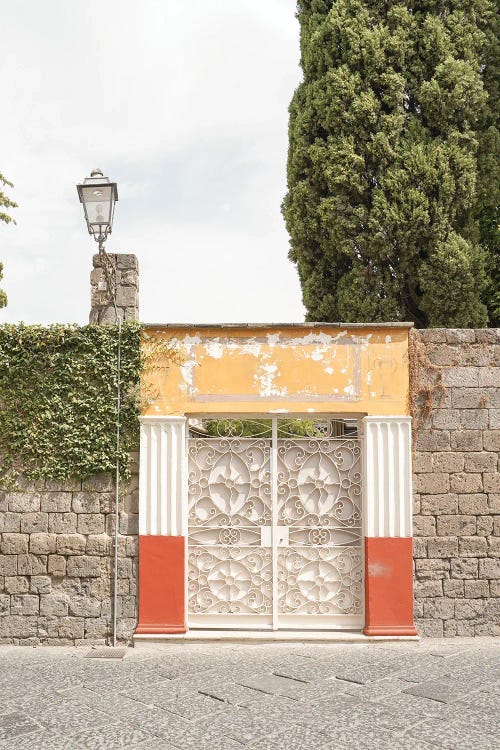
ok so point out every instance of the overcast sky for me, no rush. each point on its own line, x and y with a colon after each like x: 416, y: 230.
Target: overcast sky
x: 183, y: 104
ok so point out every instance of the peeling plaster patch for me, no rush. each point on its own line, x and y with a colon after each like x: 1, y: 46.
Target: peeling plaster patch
x: 214, y: 349
x: 273, y: 339
x: 311, y: 410
x: 252, y: 347
x: 322, y: 338
x: 189, y: 342
x: 369, y: 377
x: 318, y: 353
x: 265, y: 379
x: 329, y: 370
x: 373, y: 394
x: 278, y: 411
x: 388, y: 339
x: 350, y: 390
x: 363, y: 340
x: 187, y: 372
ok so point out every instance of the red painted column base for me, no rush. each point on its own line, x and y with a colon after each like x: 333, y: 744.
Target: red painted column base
x: 389, y: 586
x: 161, y: 585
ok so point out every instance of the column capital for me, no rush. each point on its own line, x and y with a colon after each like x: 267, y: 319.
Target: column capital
x: 165, y: 418
x: 375, y: 419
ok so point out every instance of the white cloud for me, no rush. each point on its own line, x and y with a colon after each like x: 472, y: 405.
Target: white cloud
x: 185, y: 105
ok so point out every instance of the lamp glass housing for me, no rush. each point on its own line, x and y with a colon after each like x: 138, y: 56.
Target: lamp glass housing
x: 98, y: 196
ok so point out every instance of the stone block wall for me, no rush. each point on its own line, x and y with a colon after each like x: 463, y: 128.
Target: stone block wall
x: 56, y: 561
x: 123, y: 271
x: 456, y: 411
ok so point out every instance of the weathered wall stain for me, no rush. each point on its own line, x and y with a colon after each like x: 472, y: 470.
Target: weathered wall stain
x: 308, y: 368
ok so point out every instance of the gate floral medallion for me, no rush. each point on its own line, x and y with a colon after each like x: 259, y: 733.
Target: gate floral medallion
x: 319, y: 581
x: 230, y: 581
x: 229, y: 482
x: 286, y: 529
x: 319, y: 483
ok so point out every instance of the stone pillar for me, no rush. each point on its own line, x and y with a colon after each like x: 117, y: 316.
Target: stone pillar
x: 124, y: 272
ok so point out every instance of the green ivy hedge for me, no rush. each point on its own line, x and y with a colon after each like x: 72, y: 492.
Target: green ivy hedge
x: 58, y: 408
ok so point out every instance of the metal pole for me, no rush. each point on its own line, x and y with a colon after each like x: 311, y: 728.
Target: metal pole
x: 117, y: 473
x: 112, y: 292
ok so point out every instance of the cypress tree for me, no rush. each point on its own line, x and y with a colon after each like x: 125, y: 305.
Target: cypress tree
x: 386, y: 136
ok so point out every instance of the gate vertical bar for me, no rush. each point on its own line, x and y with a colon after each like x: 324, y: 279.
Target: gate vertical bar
x: 274, y: 516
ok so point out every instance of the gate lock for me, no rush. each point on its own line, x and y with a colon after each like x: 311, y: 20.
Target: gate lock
x: 266, y: 536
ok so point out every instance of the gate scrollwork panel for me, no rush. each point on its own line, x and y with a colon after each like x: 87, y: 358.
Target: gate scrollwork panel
x: 229, y: 489
x: 319, y: 499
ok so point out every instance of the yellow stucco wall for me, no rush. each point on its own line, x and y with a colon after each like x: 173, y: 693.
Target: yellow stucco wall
x: 296, y: 369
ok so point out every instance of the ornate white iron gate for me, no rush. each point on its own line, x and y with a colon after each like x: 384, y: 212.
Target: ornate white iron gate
x: 274, y: 524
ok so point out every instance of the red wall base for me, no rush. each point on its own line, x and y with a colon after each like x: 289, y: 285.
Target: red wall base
x: 161, y: 585
x: 389, y: 586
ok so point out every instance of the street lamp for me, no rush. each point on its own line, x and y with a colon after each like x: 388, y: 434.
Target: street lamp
x: 98, y: 196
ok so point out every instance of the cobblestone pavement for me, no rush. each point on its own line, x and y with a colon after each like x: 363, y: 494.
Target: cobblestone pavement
x: 281, y: 696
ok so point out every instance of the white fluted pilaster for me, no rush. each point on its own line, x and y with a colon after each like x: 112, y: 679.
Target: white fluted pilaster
x: 387, y: 477
x: 162, y: 476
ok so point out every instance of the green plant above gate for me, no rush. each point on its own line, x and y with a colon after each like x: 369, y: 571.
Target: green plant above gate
x: 58, y: 408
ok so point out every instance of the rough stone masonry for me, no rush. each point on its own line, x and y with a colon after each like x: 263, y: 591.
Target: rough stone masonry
x: 456, y: 412
x: 124, y: 274
x: 56, y: 562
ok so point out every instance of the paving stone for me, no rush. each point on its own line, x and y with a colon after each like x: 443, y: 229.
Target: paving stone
x: 230, y: 692
x: 444, y: 692
x: 14, y: 723
x: 68, y: 719
x: 369, y: 673
x: 456, y: 737
x: 381, y: 690
x: 38, y: 741
x: 110, y: 738
x: 275, y: 685
x: 156, y: 721
x: 292, y: 738
x: 375, y: 739
x: 282, y: 709
x: 480, y: 700
x: 110, y: 703
x: 192, y: 707
x: 197, y: 736
x: 243, y: 725
x: 330, y: 688
x: 304, y: 670
x: 156, y: 743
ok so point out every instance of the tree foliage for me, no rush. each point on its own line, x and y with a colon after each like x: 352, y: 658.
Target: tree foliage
x: 5, y: 204
x: 392, y: 137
